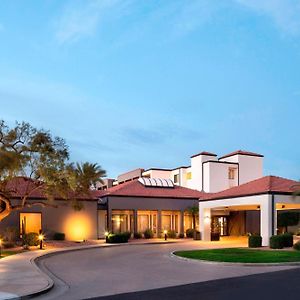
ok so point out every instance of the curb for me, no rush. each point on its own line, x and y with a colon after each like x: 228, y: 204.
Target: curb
x: 173, y: 255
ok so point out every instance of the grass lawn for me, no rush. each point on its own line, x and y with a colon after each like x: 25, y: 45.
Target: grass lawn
x: 240, y: 255
x: 5, y: 253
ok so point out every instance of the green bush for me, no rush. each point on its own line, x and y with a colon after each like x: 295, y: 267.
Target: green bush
x: 254, y: 241
x: 31, y: 239
x: 118, y: 238
x: 288, y: 239
x: 137, y: 235
x: 276, y: 242
x: 181, y: 235
x: 297, y: 246
x: 148, y: 234
x: 7, y: 245
x: 190, y: 233
x: 127, y: 234
x: 172, y: 234
x: 59, y: 236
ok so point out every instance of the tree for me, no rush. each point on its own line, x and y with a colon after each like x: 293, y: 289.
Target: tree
x: 41, y: 162
x: 194, y: 212
x: 288, y: 218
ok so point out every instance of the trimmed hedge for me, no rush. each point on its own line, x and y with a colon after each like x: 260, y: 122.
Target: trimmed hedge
x: 254, y: 241
x: 276, y: 242
x: 172, y: 234
x: 297, y: 246
x: 137, y: 235
x: 116, y: 238
x: 190, y: 233
x: 181, y: 235
x: 59, y: 236
x: 148, y: 234
x: 288, y: 239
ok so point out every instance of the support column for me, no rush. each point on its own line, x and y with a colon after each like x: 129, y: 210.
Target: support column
x: 159, y: 223
x: 205, y: 223
x: 109, y: 221
x: 135, y: 221
x: 266, y: 216
x: 181, y: 222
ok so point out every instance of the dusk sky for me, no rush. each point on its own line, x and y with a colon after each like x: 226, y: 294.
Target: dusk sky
x: 147, y: 83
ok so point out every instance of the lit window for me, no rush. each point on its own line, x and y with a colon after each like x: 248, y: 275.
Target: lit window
x: 176, y: 178
x: 231, y: 173
x: 189, y: 175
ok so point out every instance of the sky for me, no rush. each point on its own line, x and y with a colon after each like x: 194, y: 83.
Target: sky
x: 148, y: 83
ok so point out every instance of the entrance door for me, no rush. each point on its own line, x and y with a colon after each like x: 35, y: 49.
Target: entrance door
x: 220, y: 224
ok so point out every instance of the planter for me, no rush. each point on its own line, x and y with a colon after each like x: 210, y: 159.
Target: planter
x: 215, y: 236
x: 197, y: 235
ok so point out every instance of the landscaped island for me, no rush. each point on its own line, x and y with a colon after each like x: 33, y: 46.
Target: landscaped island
x: 239, y: 255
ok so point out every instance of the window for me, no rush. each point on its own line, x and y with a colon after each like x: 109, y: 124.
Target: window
x: 189, y: 175
x: 30, y: 222
x: 231, y: 173
x: 176, y: 178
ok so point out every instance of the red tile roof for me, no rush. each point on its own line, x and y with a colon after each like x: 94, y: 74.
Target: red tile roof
x: 264, y: 185
x: 136, y: 189
x: 19, y: 186
x: 241, y: 152
x: 204, y: 153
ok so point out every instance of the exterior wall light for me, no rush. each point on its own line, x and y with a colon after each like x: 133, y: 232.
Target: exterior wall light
x: 41, y: 239
x: 165, y: 233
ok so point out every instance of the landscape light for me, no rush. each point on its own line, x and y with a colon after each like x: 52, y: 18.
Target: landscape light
x: 106, y: 233
x: 165, y: 233
x: 41, y: 238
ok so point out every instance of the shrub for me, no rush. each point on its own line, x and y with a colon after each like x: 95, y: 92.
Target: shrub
x: 137, y: 235
x: 288, y: 239
x: 7, y: 245
x: 297, y: 246
x: 190, y: 233
x: 276, y: 242
x: 148, y: 234
x: 254, y: 241
x: 59, y: 236
x: 127, y: 234
x: 172, y: 234
x: 31, y: 239
x: 181, y: 235
x: 118, y: 238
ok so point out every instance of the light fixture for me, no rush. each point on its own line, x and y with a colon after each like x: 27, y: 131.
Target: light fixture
x: 106, y: 233
x: 165, y: 233
x: 41, y: 238
x: 282, y: 206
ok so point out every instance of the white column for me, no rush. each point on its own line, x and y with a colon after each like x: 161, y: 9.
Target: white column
x: 204, y: 223
x: 266, y: 219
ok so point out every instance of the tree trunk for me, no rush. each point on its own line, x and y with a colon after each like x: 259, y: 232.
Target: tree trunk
x: 8, y: 208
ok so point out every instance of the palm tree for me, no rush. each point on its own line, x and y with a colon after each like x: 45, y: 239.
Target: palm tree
x: 194, y: 212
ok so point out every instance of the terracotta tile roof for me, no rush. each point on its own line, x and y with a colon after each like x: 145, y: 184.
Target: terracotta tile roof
x: 241, y: 152
x: 264, y: 185
x: 204, y: 153
x: 137, y: 189
x: 19, y: 186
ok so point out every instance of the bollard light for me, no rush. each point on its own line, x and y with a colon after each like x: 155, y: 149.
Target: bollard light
x: 106, y: 236
x: 165, y: 233
x: 41, y: 239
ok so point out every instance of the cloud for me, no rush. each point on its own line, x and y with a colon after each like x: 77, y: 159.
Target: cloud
x: 82, y: 19
x: 284, y: 13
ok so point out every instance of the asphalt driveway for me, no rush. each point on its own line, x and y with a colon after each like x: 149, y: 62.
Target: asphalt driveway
x: 124, y: 269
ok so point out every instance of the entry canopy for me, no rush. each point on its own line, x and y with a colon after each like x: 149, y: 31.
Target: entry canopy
x: 156, y: 182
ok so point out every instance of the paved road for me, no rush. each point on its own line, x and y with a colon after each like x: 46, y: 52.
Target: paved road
x: 276, y: 286
x: 109, y: 271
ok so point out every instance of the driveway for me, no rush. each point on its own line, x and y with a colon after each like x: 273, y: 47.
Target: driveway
x: 123, y: 269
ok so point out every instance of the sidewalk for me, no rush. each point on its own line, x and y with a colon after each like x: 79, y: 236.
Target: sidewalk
x: 20, y: 276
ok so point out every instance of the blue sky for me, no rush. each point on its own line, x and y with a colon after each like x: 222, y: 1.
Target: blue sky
x: 133, y: 83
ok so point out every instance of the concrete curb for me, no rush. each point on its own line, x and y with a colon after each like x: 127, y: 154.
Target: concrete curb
x: 173, y: 255
x: 34, y: 261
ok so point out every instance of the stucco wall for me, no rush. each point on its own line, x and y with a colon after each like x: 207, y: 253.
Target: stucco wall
x: 77, y: 225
